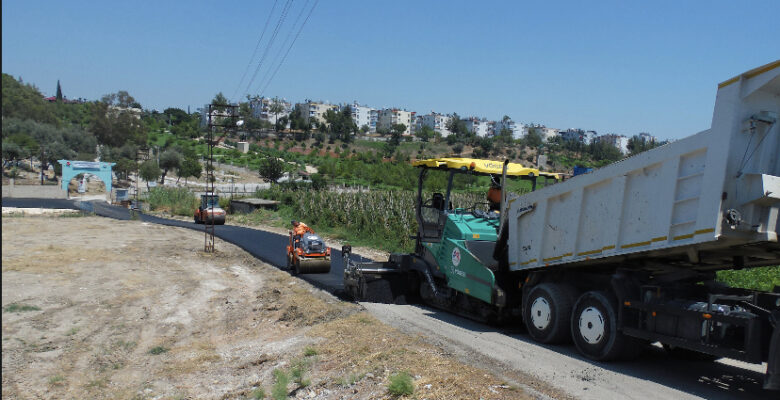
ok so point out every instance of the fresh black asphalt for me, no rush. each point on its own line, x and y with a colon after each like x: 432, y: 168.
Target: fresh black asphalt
x: 266, y: 246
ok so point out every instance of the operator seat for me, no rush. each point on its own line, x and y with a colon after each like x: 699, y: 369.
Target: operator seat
x: 437, y: 201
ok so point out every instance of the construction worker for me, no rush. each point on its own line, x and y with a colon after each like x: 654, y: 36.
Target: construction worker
x: 494, y: 195
x: 299, y: 228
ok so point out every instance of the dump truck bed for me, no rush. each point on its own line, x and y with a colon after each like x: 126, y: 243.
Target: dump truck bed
x: 708, y: 201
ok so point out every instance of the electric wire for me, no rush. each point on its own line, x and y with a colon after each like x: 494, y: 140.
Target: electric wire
x: 284, y: 44
x: 270, y: 43
x: 291, y: 46
x: 257, y: 47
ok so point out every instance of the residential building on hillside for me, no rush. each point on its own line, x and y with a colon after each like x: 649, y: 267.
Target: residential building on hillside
x: 437, y: 122
x: 517, y: 129
x: 392, y: 116
x: 549, y: 134
x: 619, y: 141
x: 578, y: 135
x: 261, y: 109
x: 479, y: 127
x: 647, y: 138
x: 364, y: 116
x: 314, y: 111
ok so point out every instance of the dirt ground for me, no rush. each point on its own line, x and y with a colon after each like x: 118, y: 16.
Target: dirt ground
x: 98, y: 308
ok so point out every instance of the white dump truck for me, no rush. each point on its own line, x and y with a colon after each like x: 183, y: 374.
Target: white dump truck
x: 628, y: 253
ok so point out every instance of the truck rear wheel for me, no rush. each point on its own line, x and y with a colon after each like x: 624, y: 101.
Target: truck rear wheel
x: 595, y: 331
x: 547, y: 312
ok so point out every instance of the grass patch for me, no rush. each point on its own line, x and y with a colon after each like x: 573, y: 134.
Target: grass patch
x: 17, y: 308
x: 401, y: 384
x: 56, y: 380
x: 760, y: 278
x: 158, y: 350
x: 309, y: 351
x: 73, y: 215
x: 72, y: 331
x: 279, y: 390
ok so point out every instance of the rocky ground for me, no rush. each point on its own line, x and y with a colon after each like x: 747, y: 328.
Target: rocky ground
x: 98, y: 308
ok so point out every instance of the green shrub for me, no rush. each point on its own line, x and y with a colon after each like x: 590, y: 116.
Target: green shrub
x: 158, y: 350
x: 309, y: 351
x: 258, y: 394
x: 760, y: 278
x: 401, y: 384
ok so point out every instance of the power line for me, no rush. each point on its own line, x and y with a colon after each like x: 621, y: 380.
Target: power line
x: 291, y: 46
x: 257, y: 47
x: 270, y: 42
x: 286, y: 42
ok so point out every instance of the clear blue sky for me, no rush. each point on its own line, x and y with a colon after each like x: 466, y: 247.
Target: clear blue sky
x: 613, y: 66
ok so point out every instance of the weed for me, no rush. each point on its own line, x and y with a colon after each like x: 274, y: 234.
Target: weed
x: 72, y: 331
x: 258, y: 394
x: 350, y: 379
x: 401, y: 384
x: 98, y: 383
x: 56, y: 380
x: 297, y: 373
x: 279, y: 390
x: 309, y: 351
x: 17, y: 308
x: 127, y: 346
x: 365, y: 320
x: 158, y: 350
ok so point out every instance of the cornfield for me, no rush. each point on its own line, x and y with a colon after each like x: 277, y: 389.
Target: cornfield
x: 177, y: 201
x: 381, y: 217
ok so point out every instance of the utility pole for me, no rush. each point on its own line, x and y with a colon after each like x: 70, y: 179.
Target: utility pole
x: 224, y: 123
x: 41, y: 162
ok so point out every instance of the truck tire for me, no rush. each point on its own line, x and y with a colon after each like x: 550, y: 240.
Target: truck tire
x: 547, y: 312
x: 595, y: 332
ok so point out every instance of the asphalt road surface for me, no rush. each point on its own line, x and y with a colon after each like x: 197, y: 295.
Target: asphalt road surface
x: 655, y: 375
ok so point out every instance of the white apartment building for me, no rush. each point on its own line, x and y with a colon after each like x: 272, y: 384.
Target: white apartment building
x: 647, y: 138
x: 437, y: 122
x: 578, y: 135
x: 391, y: 116
x: 480, y: 127
x: 548, y: 134
x: 619, y: 141
x: 518, y: 130
x: 261, y: 109
x: 364, y: 116
x: 314, y: 111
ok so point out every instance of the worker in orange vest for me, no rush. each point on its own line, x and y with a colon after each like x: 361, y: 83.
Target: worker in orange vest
x: 299, y: 228
x: 494, y: 195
